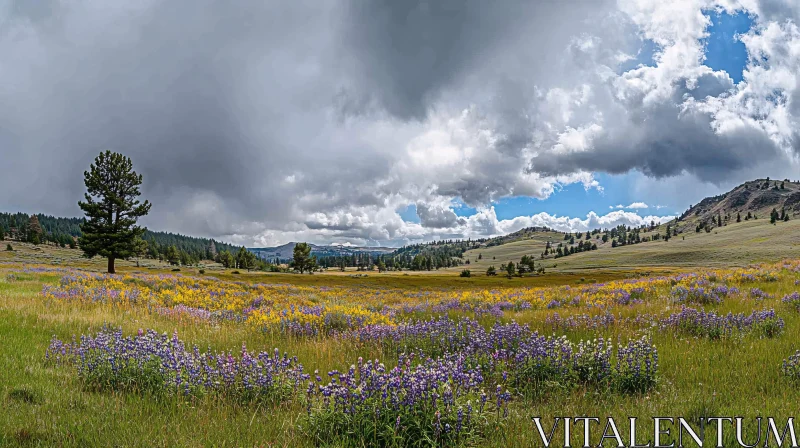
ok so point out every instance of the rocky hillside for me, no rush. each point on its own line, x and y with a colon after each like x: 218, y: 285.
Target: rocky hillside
x: 757, y: 197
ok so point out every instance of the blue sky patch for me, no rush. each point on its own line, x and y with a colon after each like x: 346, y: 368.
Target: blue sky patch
x: 644, y: 57
x: 723, y: 50
x: 409, y: 214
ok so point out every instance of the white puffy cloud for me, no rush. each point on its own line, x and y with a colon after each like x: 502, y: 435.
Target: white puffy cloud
x: 483, y: 224
x: 631, y: 206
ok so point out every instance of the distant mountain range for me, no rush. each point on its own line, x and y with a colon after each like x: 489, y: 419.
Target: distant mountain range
x: 285, y: 252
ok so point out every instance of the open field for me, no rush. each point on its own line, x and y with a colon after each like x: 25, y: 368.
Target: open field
x: 731, y: 367
x: 25, y: 253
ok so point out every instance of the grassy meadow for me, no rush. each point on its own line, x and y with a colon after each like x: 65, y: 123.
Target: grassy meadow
x: 735, y: 244
x: 49, y: 292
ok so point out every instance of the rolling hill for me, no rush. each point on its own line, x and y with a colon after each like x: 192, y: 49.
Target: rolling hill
x: 757, y: 197
x: 731, y: 244
x: 734, y: 244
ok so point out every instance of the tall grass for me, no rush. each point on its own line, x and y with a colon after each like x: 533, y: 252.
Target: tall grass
x: 45, y: 405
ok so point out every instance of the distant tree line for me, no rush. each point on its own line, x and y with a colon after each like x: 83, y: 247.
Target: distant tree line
x: 416, y: 257
x: 40, y: 229
x: 173, y: 248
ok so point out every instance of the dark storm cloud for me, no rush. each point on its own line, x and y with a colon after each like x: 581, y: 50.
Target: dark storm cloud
x: 201, y: 95
x: 252, y: 117
x: 660, y: 151
x: 666, y: 140
x: 411, y: 50
x: 230, y: 99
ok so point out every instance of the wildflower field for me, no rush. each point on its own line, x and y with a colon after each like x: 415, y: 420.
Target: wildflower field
x: 143, y: 359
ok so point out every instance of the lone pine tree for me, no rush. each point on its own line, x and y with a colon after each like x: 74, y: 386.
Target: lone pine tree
x: 302, y: 259
x: 112, y: 208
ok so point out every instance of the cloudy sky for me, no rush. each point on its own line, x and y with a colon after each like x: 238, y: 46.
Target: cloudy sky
x: 385, y: 122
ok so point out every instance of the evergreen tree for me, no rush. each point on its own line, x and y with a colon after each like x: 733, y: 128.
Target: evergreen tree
x: 140, y: 249
x: 738, y: 217
x: 773, y: 216
x: 112, y: 208
x: 172, y: 255
x: 302, y: 259
x: 34, y: 230
x: 184, y: 258
x: 245, y: 259
x: 510, y: 269
x: 226, y: 259
x: 491, y: 271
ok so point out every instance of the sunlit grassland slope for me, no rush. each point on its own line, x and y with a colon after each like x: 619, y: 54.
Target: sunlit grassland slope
x: 735, y: 244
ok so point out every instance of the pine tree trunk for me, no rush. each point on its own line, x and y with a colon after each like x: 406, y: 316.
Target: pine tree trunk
x: 111, y: 265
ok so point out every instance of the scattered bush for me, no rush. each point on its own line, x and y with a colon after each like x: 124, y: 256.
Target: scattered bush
x: 176, y: 270
x: 465, y: 273
x: 202, y: 271
x: 9, y: 248
x: 592, y: 361
x: 637, y: 366
x: 793, y: 300
x: 544, y: 362
x: 791, y: 366
x: 236, y: 272
x: 758, y: 294
x: 714, y: 326
x: 702, y: 295
x: 156, y: 363
x: 429, y: 403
